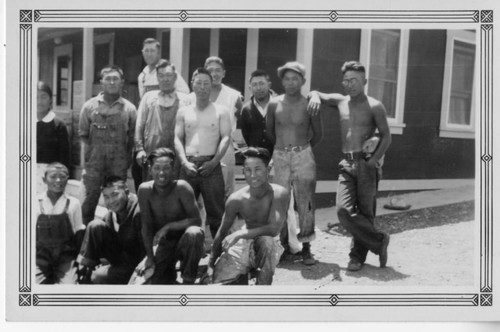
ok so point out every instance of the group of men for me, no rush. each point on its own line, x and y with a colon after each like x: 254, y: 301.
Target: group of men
x: 182, y: 148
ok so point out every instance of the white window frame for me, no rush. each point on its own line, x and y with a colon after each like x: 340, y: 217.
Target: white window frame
x: 456, y: 130
x: 396, y: 124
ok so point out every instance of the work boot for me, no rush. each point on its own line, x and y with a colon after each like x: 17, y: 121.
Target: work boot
x: 84, y: 275
x: 307, y: 256
x: 354, y: 265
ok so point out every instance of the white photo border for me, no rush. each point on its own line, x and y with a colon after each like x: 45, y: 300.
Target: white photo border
x: 482, y: 20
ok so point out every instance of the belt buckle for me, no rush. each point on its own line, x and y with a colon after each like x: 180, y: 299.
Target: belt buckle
x: 296, y: 148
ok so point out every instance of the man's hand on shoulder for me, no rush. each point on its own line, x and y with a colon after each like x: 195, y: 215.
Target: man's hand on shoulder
x: 314, y: 104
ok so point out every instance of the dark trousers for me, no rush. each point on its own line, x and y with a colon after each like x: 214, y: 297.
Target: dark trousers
x: 356, y: 202
x: 188, y: 249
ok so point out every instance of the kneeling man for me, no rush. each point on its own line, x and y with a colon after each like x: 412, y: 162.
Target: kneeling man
x: 117, y: 238
x: 170, y: 222
x: 263, y: 207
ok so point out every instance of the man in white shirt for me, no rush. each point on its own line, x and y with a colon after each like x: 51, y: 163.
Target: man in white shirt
x: 147, y: 80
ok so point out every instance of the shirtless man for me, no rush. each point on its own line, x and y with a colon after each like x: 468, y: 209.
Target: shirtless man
x: 360, y: 117
x: 295, y: 133
x: 170, y: 223
x: 263, y: 206
x: 202, y: 136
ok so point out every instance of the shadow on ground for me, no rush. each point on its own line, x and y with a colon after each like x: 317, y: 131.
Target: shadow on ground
x: 313, y: 272
x: 417, y: 219
x: 376, y: 273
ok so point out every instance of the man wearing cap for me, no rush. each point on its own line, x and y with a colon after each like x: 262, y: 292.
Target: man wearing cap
x: 360, y: 116
x: 148, y: 80
x: 295, y: 133
x: 156, y: 117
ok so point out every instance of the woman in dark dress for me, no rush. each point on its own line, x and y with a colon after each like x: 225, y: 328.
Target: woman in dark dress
x: 52, y: 142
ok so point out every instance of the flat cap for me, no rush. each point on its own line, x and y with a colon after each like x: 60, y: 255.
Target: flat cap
x: 295, y: 66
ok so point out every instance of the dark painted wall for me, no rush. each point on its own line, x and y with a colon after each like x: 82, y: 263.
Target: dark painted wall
x: 233, y: 51
x: 199, y: 48
x: 276, y: 47
x: 331, y: 49
x: 420, y: 153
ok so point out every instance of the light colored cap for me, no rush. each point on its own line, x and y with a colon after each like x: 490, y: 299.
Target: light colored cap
x: 295, y: 66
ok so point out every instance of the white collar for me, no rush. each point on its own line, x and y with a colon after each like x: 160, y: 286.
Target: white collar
x: 48, y: 117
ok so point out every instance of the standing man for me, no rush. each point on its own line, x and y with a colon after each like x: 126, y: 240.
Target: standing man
x: 263, y: 207
x: 295, y: 133
x: 156, y: 117
x: 231, y: 100
x: 253, y: 114
x: 116, y: 238
x: 147, y: 80
x: 202, y: 136
x: 107, y: 124
x: 360, y: 117
x: 170, y: 223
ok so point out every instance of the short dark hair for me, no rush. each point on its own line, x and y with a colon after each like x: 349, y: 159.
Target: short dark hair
x: 353, y: 66
x: 201, y: 70
x: 257, y: 152
x: 215, y: 59
x: 163, y: 63
x: 259, y: 73
x: 111, y: 180
x: 43, y: 86
x: 110, y: 68
x: 56, y: 165
x: 151, y: 41
x: 161, y: 152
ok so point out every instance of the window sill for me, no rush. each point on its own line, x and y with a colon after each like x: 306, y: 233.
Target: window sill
x: 456, y: 133
x: 396, y: 128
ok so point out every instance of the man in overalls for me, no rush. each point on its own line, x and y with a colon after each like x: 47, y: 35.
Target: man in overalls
x: 106, y: 126
x: 59, y: 219
x: 156, y: 117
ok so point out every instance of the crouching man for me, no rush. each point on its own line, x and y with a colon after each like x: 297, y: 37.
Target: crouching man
x: 170, y: 223
x: 117, y: 238
x: 263, y: 207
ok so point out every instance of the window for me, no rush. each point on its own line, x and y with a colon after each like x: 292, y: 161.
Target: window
x: 385, y: 53
x: 457, y: 109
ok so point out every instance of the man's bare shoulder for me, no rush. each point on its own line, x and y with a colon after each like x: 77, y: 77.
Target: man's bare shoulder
x: 280, y: 192
x: 182, y: 186
x: 220, y: 109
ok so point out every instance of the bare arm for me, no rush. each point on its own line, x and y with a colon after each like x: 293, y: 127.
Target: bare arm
x: 231, y: 211
x: 384, y: 132
x: 180, y: 137
x: 275, y: 219
x: 188, y: 202
x: 316, y: 98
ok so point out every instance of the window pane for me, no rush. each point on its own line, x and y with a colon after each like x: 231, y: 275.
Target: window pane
x: 462, y: 80
x: 384, y: 63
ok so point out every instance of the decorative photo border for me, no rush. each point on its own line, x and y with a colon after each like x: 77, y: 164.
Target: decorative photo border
x: 482, y: 20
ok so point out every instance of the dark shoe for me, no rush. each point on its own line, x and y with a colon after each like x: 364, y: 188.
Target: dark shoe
x: 383, y: 250
x: 307, y: 258
x: 84, y: 275
x: 354, y: 265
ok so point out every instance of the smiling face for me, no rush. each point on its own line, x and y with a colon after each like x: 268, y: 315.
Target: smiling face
x: 56, y: 179
x: 115, y: 197
x: 217, y: 72
x: 256, y: 172
x: 162, y: 171
x: 292, y: 82
x: 166, y: 78
x: 354, y: 82
x: 151, y: 54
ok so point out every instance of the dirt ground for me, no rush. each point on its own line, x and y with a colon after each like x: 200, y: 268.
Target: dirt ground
x: 428, y: 247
